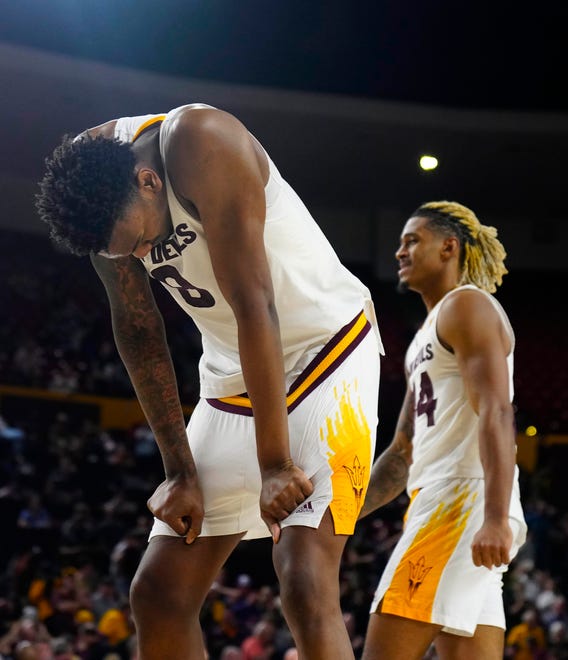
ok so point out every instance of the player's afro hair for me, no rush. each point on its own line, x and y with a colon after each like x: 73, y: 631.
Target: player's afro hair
x: 88, y: 183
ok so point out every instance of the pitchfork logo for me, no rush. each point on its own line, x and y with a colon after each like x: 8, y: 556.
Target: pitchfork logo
x: 417, y: 572
x: 357, y: 476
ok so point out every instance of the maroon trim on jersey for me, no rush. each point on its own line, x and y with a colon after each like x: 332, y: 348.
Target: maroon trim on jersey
x: 246, y: 409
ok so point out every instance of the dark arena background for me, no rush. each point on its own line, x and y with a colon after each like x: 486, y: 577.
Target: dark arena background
x: 347, y: 98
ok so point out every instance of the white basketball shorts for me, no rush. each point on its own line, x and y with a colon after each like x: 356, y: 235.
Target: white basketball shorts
x: 332, y: 412
x: 431, y: 576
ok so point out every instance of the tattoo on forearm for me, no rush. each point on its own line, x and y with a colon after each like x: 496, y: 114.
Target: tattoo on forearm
x: 388, y: 480
x: 142, y: 344
x: 390, y: 472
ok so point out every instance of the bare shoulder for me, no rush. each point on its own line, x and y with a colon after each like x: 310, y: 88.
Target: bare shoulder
x: 198, y: 115
x: 199, y: 124
x: 467, y: 303
x: 467, y: 313
x: 209, y: 150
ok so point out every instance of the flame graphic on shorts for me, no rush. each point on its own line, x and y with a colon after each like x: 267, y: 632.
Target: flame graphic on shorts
x: 416, y: 578
x: 348, y: 439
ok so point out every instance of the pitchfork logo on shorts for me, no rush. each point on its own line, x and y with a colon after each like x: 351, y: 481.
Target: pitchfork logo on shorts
x: 417, y: 572
x: 357, y: 476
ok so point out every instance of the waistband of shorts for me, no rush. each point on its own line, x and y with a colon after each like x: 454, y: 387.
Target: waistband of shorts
x: 331, y: 356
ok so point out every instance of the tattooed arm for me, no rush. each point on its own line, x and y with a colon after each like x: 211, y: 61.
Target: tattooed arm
x: 141, y: 342
x: 390, y: 471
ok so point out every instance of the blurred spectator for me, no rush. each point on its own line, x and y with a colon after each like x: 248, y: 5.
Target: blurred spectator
x: 231, y: 653
x: 63, y: 377
x: 79, y: 529
x: 558, y: 641
x: 26, y: 631
x: 116, y: 627
x: 68, y: 595
x: 34, y: 515
x: 549, y: 601
x: 28, y: 363
x: 33, y: 651
x: 105, y: 597
x: 260, y: 645
x: 125, y: 558
x: 62, y: 648
x: 243, y: 603
x: 527, y: 640
x: 557, y: 612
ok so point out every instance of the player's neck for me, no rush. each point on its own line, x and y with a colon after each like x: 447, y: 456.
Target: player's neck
x: 433, y: 296
x: 147, y: 150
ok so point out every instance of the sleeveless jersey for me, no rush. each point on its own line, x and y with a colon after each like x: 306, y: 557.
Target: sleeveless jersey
x: 445, y: 443
x: 315, y: 294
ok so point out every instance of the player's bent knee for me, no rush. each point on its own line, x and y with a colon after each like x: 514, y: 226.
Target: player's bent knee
x: 148, y: 597
x: 298, y: 586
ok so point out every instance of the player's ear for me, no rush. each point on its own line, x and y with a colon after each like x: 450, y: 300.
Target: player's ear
x: 148, y: 180
x: 450, y: 247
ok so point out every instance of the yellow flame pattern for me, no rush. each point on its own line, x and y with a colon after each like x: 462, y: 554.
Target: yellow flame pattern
x: 413, y: 587
x: 348, y: 439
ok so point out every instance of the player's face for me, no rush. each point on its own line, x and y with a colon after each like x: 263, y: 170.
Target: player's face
x: 144, y: 223
x: 418, y: 255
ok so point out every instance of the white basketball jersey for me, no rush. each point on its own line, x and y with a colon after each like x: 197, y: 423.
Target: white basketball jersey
x: 315, y: 294
x: 445, y: 443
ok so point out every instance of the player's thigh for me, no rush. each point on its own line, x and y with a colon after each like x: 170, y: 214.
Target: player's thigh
x: 396, y: 638
x: 487, y: 643
x: 223, y: 445
x: 313, y: 553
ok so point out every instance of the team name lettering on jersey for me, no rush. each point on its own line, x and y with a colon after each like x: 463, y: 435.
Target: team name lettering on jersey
x: 173, y: 246
x: 424, y: 354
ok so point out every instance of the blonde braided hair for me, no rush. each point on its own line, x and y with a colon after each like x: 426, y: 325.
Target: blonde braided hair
x: 482, y: 255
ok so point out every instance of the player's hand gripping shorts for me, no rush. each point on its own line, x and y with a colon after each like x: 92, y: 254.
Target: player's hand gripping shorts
x: 332, y: 406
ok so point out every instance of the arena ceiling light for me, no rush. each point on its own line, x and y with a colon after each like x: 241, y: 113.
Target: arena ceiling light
x: 428, y: 162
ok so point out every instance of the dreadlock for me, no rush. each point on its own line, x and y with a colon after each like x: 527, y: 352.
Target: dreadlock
x: 87, y: 185
x: 482, y: 255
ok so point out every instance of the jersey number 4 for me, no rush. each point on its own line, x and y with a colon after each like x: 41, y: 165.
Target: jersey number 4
x: 426, y: 403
